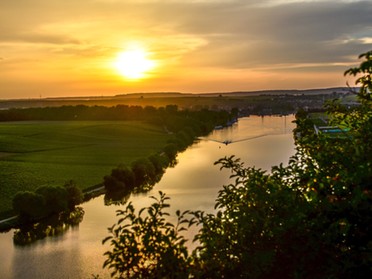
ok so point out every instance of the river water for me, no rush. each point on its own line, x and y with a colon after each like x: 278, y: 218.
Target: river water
x: 192, y: 184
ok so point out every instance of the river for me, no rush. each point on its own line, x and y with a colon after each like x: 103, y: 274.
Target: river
x: 192, y: 184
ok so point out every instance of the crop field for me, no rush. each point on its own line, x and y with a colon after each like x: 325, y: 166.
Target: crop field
x: 39, y: 153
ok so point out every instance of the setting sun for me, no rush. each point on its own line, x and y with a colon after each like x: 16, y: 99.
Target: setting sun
x: 134, y: 63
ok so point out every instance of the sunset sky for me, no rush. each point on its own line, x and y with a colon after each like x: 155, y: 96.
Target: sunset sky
x: 52, y: 48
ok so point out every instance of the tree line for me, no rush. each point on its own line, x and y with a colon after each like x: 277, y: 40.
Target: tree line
x: 46, y: 201
x: 169, y: 115
x: 140, y: 176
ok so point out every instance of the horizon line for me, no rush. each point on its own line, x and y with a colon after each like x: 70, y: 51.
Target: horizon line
x: 248, y: 92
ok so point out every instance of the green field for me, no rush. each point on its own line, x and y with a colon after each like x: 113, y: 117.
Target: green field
x: 39, y: 153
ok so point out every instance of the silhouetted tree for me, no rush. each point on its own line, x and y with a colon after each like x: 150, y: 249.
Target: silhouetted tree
x: 55, y: 199
x: 29, y: 205
x: 74, y: 194
x: 144, y: 172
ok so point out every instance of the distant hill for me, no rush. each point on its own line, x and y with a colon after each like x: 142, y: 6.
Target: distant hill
x: 135, y: 95
x: 188, y: 100
x: 285, y: 92
x: 153, y: 95
x: 238, y: 93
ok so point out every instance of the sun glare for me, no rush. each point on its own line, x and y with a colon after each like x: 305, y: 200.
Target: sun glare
x: 134, y: 63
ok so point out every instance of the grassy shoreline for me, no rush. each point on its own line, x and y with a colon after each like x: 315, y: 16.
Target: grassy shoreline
x: 38, y: 153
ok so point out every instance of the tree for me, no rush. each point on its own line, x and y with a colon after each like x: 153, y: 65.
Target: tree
x: 160, y: 162
x: 74, y: 194
x: 170, y: 151
x: 112, y: 184
x: 144, y: 173
x: 364, y: 71
x: 121, y: 179
x: 29, y: 205
x: 147, y: 246
x: 55, y: 199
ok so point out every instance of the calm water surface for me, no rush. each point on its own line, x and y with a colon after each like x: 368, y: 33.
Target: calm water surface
x: 192, y: 184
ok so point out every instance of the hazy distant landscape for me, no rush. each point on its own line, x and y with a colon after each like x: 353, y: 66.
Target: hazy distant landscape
x: 255, y: 102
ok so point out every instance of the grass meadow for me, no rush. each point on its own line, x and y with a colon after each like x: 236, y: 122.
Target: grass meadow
x: 38, y: 153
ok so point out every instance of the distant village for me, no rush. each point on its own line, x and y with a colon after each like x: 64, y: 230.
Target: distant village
x: 270, y: 102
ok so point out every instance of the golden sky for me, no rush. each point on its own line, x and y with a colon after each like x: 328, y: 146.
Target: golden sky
x: 54, y: 48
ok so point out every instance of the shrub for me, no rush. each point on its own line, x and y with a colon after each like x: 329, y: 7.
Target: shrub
x: 147, y: 246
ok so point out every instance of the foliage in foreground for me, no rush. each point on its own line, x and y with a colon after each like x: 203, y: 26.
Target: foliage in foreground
x: 263, y: 228
x: 311, y: 219
x: 147, y: 246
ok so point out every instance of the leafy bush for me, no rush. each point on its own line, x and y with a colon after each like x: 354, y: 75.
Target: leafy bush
x: 147, y: 246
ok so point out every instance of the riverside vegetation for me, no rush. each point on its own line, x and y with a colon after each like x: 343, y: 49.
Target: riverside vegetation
x: 310, y: 219
x: 41, y: 147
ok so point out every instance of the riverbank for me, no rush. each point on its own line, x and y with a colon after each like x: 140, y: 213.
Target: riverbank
x: 8, y: 219
x: 51, y: 146
x: 52, y: 152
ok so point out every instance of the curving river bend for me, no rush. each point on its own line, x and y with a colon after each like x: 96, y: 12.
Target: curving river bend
x: 192, y: 184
